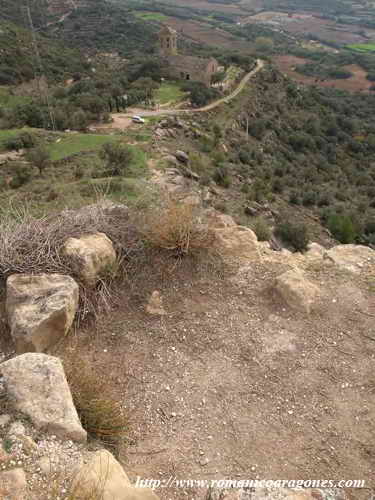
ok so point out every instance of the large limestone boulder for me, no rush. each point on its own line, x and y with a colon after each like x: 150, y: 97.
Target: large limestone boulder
x: 91, y: 255
x: 40, y: 309
x: 236, y: 243
x: 37, y: 387
x: 13, y: 484
x: 103, y: 477
x: 297, y: 291
x: 352, y: 258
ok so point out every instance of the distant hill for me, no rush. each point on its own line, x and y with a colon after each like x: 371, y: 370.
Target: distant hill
x: 102, y: 26
x: 63, y: 27
x: 14, y: 11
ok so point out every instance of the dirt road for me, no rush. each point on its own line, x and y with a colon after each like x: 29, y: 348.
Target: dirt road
x: 123, y: 120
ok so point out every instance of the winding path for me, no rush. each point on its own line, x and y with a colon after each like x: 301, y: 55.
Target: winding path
x: 215, y: 104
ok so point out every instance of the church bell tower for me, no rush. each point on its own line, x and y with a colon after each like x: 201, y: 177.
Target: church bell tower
x: 168, y: 41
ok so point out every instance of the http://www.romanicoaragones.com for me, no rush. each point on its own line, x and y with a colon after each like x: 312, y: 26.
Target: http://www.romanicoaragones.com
x: 174, y: 482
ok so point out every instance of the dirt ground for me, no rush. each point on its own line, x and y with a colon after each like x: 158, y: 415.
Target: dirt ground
x: 205, y: 33
x: 231, y: 383
x: 218, y: 7
x: 357, y: 83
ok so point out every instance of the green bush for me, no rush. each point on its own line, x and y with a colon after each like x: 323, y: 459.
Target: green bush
x: 294, y: 234
x: 342, y: 228
x: 28, y: 140
x: 262, y: 229
x: 118, y: 158
x: 21, y: 174
x: 14, y: 143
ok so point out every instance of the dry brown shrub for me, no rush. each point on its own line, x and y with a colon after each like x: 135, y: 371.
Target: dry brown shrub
x: 97, y: 402
x: 33, y: 245
x: 178, y: 227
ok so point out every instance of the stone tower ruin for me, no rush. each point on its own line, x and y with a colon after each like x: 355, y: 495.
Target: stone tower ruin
x: 168, y: 41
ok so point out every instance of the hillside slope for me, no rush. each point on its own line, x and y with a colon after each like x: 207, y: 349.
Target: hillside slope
x: 18, y: 60
x: 102, y: 26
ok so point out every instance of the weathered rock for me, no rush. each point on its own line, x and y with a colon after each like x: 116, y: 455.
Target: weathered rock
x: 251, y: 211
x: 159, y: 132
x: 236, y: 242
x: 45, y: 464
x: 297, y: 291
x: 91, y: 254
x: 314, y: 249
x: 37, y: 387
x: 13, y: 484
x: 40, y: 309
x: 4, y: 419
x: 171, y: 160
x: 17, y: 429
x: 190, y: 174
x: 192, y: 199
x: 218, y: 220
x: 155, y: 304
x: 352, y: 258
x: 103, y: 477
x: 182, y: 156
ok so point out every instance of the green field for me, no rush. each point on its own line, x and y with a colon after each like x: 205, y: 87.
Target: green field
x: 362, y: 47
x: 169, y: 92
x: 7, y: 134
x: 72, y: 143
x: 10, y: 101
x: 151, y: 16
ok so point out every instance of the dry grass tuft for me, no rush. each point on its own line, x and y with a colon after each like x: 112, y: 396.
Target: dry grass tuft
x: 177, y: 227
x: 97, y: 402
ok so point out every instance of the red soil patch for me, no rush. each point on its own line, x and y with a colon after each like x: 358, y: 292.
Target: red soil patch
x: 357, y: 83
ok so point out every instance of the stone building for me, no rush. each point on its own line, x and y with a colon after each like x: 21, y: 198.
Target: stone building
x: 181, y: 67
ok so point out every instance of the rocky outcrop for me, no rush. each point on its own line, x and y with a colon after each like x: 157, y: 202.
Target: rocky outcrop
x: 297, y: 291
x: 217, y: 220
x: 103, y: 477
x: 91, y: 255
x: 236, y: 243
x: 13, y: 484
x: 36, y: 386
x: 104, y: 208
x: 40, y: 309
x: 182, y: 156
x: 352, y: 258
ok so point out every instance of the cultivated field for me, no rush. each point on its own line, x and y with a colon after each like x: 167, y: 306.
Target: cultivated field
x: 205, y: 33
x: 358, y: 82
x: 216, y: 7
x: 362, y: 47
x: 304, y: 23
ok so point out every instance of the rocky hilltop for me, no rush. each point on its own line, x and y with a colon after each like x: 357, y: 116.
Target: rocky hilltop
x: 291, y: 332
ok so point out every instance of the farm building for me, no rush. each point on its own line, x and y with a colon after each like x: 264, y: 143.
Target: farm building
x: 198, y: 69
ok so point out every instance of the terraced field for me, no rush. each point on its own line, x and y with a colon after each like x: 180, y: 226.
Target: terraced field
x: 362, y: 47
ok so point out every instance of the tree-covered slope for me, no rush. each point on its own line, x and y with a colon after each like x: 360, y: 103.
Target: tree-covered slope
x: 103, y: 26
x: 18, y: 61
